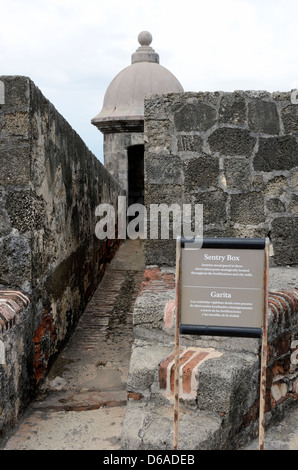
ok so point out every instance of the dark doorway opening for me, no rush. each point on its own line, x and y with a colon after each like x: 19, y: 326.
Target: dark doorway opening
x: 135, y: 174
x: 135, y: 155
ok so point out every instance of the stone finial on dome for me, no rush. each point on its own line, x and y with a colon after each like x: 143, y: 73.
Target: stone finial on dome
x: 145, y: 38
x: 145, y: 53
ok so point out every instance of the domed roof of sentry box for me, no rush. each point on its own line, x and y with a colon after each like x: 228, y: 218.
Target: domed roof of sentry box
x: 123, y: 106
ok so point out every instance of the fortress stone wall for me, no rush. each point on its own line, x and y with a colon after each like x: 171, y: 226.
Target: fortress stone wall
x: 237, y: 155
x: 234, y: 153
x: 50, y: 185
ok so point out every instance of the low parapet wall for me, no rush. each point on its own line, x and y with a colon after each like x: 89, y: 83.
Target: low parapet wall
x: 50, y: 186
x: 219, y: 376
x: 15, y: 312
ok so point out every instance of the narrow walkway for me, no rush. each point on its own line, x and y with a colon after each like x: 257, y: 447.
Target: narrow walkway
x: 83, y: 401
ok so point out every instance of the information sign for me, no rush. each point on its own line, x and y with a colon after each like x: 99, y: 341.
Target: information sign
x: 222, y: 286
x: 222, y: 290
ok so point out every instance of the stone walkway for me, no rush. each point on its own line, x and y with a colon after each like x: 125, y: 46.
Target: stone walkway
x: 83, y: 401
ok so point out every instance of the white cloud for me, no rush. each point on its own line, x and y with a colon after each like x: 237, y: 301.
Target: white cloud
x: 72, y: 49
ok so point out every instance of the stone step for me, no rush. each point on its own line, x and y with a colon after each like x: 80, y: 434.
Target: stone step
x: 150, y: 426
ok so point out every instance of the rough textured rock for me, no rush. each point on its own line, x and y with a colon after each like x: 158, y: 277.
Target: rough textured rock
x: 235, y: 153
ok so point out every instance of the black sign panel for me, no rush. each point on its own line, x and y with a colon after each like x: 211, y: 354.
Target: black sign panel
x: 221, y: 286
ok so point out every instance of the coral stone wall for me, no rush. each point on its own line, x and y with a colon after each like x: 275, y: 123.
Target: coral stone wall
x: 50, y: 186
x: 234, y: 153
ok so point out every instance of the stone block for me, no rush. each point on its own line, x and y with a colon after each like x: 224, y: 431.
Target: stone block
x: 15, y: 165
x: 195, y: 117
x: 161, y: 132
x: 276, y: 186
x: 160, y: 252
x: 214, y: 206
x: 144, y: 363
x: 294, y: 181
x: 17, y: 124
x: 163, y: 169
x: 16, y: 93
x: 228, y: 384
x: 247, y: 208
x: 149, y: 313
x: 237, y: 173
x: 294, y: 204
x: 189, y: 143
x: 201, y: 173
x: 276, y: 153
x: 284, y: 236
x: 26, y: 210
x: 150, y: 427
x: 231, y: 141
x: 263, y: 117
x: 275, y: 205
x: 232, y: 109
x: 290, y: 119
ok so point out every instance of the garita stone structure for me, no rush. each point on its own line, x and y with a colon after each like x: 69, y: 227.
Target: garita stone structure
x: 235, y: 153
x: 121, y: 119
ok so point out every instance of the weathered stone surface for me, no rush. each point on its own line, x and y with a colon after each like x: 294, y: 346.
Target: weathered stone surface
x: 230, y: 141
x: 239, y: 162
x: 232, y: 109
x: 200, y: 173
x: 247, y: 208
x: 263, y: 117
x: 50, y: 187
x: 237, y: 173
x: 15, y: 267
x: 164, y: 169
x: 233, y: 380
x: 161, y: 132
x: 276, y: 153
x: 145, y: 359
x: 214, y: 206
x: 294, y: 204
x: 290, y: 118
x: 284, y: 236
x: 276, y: 186
x: 15, y: 165
x: 26, y: 210
x: 192, y: 117
x: 17, y: 124
x: 276, y: 205
x: 161, y: 252
x: 151, y: 427
x: 189, y: 143
x: 294, y: 181
x: 166, y: 194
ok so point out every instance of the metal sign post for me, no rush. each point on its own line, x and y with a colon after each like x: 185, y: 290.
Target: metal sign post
x: 222, y: 290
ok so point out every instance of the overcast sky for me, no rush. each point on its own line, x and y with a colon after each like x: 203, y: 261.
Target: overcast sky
x: 72, y: 49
